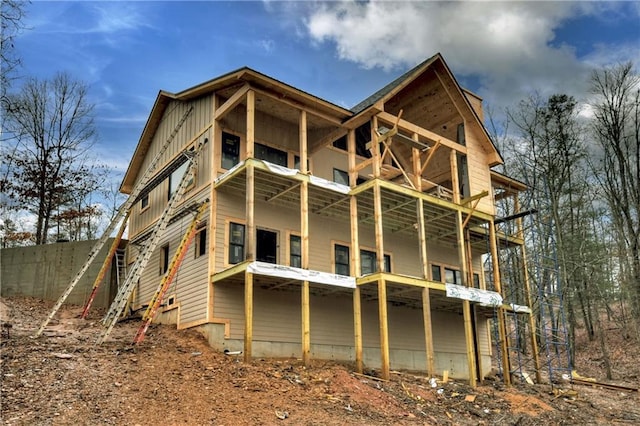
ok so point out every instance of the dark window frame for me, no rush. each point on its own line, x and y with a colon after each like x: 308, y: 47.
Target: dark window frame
x: 230, y: 150
x: 295, y: 256
x: 236, y: 257
x: 340, y: 264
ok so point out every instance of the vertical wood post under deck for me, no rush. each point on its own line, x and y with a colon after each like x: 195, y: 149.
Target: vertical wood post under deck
x: 460, y: 243
x: 248, y: 315
x: 250, y: 236
x: 304, y: 240
x: 355, y: 253
x: 502, y: 330
x: 424, y: 260
x: 382, y: 285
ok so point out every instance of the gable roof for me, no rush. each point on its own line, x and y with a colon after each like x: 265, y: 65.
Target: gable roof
x: 391, y: 89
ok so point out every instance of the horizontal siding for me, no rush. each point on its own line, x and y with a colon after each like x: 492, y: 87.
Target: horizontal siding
x: 190, y: 283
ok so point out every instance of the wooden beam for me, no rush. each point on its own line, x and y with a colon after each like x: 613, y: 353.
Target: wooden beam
x: 375, y: 149
x: 284, y: 191
x: 415, y: 165
x: 426, y: 300
x: 248, y: 315
x: 306, y: 328
x: 231, y: 103
x: 335, y: 203
x: 357, y: 328
x: 478, y: 196
x: 427, y: 134
x: 430, y: 155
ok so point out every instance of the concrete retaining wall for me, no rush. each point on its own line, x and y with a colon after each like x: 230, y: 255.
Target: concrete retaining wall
x: 45, y: 271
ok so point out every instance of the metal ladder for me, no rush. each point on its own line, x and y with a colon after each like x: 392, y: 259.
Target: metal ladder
x: 121, y: 266
x: 176, y: 261
x: 118, y: 218
x: 125, y: 291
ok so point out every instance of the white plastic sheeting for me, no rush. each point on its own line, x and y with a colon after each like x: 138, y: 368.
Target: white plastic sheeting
x: 285, y: 171
x: 327, y: 184
x: 282, y: 271
x: 484, y: 297
x: 228, y: 172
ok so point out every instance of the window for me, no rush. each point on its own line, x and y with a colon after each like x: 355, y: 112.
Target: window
x: 271, y: 155
x: 176, y: 176
x: 341, y: 143
x: 369, y: 263
x: 452, y: 276
x: 164, y: 259
x: 201, y: 242
x: 476, y: 280
x: 236, y: 243
x: 230, y: 150
x: 295, y: 251
x: 296, y: 163
x: 436, y: 273
x: 342, y: 177
x: 144, y: 202
x: 341, y: 256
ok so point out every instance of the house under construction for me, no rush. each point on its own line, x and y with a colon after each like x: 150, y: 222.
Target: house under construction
x: 320, y: 232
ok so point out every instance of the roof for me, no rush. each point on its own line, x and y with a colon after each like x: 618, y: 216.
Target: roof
x: 258, y: 79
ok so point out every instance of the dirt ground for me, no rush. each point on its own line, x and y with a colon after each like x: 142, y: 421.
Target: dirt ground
x: 174, y: 378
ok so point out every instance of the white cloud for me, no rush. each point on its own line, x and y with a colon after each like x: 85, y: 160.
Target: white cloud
x: 509, y: 46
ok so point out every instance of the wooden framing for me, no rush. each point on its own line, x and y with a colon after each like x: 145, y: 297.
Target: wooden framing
x: 304, y: 239
x: 389, y: 207
x: 355, y: 254
x: 502, y: 331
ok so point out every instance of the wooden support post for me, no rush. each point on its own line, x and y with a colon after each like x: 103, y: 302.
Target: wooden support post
x: 248, y: 315
x: 527, y: 294
x: 382, y: 285
x: 375, y: 148
x: 304, y: 239
x: 250, y: 184
x: 214, y: 149
x: 355, y: 252
x: 426, y: 300
x: 502, y: 330
x: 384, y: 328
x: 462, y: 257
x: 251, y: 120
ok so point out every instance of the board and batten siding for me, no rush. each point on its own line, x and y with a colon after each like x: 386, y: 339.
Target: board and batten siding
x: 198, y: 120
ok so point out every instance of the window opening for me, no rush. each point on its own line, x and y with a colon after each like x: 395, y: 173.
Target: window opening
x: 452, y: 276
x: 341, y: 257
x: 436, y: 273
x: 164, y: 259
x: 272, y: 155
x: 201, y: 242
x: 236, y: 243
x: 144, y: 202
x: 369, y: 262
x: 230, y: 150
x: 295, y: 251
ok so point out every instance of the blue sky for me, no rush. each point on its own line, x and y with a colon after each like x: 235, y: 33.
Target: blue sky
x: 340, y: 51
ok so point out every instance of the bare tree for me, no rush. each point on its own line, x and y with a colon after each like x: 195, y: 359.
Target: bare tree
x: 52, y: 125
x: 12, y: 13
x: 617, y: 129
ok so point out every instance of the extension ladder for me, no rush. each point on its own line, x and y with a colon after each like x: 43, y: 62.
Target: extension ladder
x: 176, y: 261
x: 124, y: 292
x: 122, y: 212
